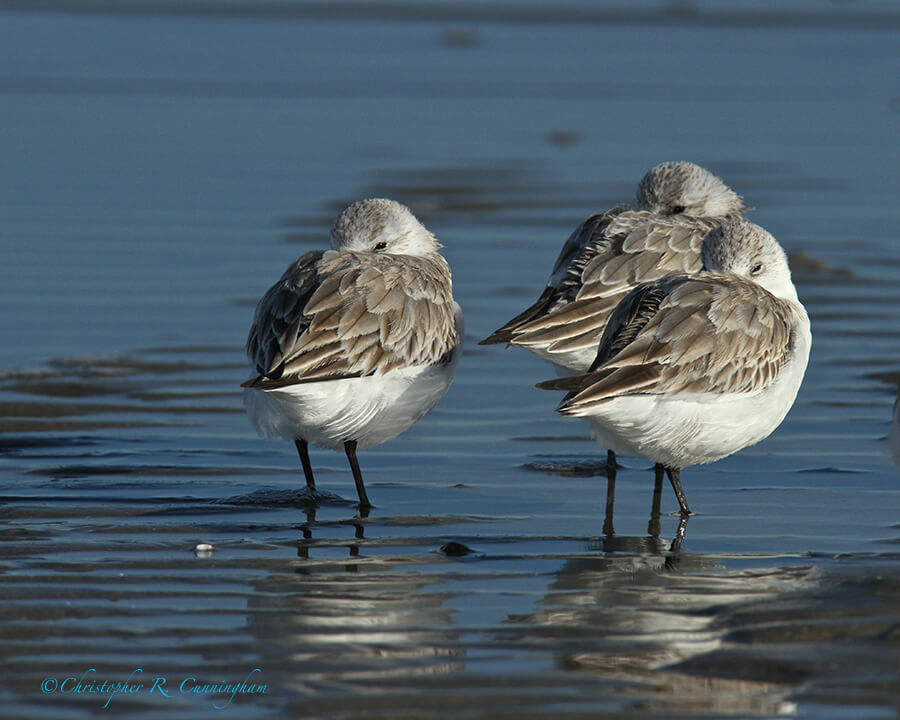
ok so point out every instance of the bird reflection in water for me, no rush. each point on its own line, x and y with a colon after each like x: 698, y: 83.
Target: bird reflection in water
x: 611, y: 542
x: 652, y: 543
x: 306, y: 528
x: 332, y: 630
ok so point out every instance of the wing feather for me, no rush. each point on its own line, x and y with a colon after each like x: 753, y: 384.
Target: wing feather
x: 686, y: 334
x: 279, y: 317
x: 583, y: 244
x: 351, y: 314
x: 634, y: 246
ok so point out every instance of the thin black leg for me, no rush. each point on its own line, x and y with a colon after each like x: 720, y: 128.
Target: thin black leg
x: 679, y: 534
x: 673, y: 559
x: 350, y: 449
x: 608, y: 529
x: 303, y: 450
x: 675, y: 478
x: 653, y: 527
x: 611, y: 460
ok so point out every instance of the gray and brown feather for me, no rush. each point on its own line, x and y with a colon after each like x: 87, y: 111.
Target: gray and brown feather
x: 625, y: 248
x: 686, y: 334
x: 351, y: 314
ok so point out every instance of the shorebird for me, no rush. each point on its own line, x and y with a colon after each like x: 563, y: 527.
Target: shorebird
x: 353, y: 345
x: 610, y: 253
x: 692, y: 368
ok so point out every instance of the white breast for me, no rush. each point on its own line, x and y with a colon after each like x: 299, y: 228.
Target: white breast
x: 370, y: 410
x: 682, y: 430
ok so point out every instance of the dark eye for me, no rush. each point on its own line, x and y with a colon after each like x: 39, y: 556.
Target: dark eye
x: 756, y: 269
x: 677, y: 209
x: 380, y: 246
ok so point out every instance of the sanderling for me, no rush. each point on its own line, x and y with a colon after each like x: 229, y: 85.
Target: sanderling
x: 353, y: 345
x: 692, y: 368
x: 610, y: 253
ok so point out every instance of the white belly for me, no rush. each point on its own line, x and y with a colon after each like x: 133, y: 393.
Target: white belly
x: 370, y: 410
x: 683, y: 430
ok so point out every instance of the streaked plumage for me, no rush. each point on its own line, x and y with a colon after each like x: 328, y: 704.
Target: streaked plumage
x: 612, y: 252
x: 353, y: 345
x: 691, y: 369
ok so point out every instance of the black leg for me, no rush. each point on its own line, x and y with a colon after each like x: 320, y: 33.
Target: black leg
x: 653, y: 526
x: 608, y: 529
x: 303, y: 450
x: 675, y: 478
x: 350, y: 449
x: 611, y: 460
x: 673, y: 559
x: 679, y: 534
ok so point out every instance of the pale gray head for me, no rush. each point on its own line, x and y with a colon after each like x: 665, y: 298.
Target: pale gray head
x: 682, y: 188
x: 383, y: 226
x: 741, y: 248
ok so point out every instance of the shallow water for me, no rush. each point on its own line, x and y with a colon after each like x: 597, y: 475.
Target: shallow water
x: 161, y: 169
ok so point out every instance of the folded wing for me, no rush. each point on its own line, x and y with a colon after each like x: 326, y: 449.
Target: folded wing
x: 635, y: 247
x: 700, y: 334
x: 338, y: 315
x: 583, y: 244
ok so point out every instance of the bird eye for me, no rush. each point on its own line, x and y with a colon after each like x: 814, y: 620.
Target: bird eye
x: 380, y: 246
x: 677, y: 209
x: 756, y: 269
